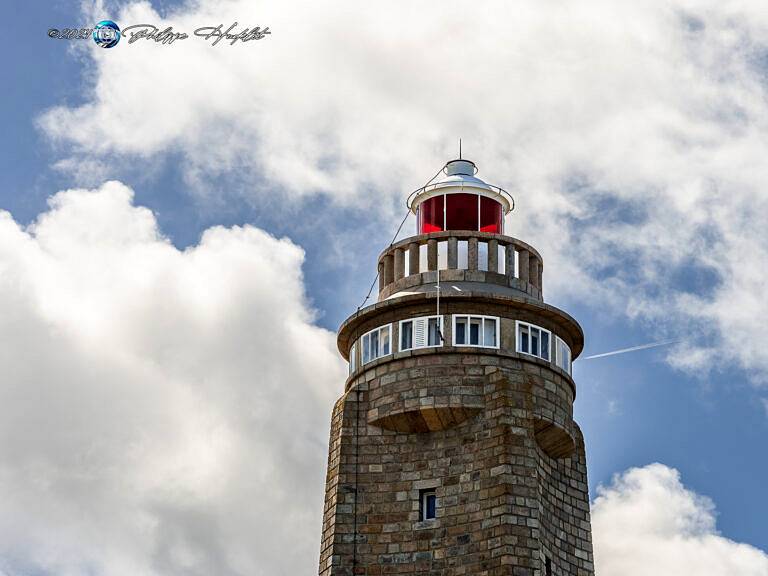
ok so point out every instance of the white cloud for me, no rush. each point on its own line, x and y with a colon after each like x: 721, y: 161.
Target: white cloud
x: 162, y: 412
x: 647, y: 523
x: 165, y: 412
x: 634, y: 134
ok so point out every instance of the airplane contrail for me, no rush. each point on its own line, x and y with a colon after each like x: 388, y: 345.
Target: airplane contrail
x: 633, y: 348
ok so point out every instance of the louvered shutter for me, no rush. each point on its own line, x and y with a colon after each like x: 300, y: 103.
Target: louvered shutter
x: 419, y: 332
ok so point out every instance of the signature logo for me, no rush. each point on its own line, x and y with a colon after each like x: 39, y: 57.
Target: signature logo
x: 150, y: 32
x: 106, y: 34
x: 246, y: 35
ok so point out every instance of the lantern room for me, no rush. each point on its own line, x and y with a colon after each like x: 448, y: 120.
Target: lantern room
x: 460, y: 201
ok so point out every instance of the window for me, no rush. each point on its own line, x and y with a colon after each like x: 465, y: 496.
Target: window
x: 460, y: 211
x: 421, y: 332
x: 352, y: 359
x: 476, y: 331
x: 533, y: 340
x: 491, y: 215
x: 547, y: 566
x: 428, y: 504
x: 376, y: 343
x: 562, y: 355
x: 431, y: 214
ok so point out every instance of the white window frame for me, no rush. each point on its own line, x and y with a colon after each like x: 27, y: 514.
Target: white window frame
x: 519, y: 343
x: 380, y: 351
x: 413, y: 322
x: 566, y: 365
x: 484, y: 319
x: 425, y: 494
x: 352, y: 359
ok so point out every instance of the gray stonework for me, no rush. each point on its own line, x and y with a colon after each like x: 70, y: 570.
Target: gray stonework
x: 491, y: 430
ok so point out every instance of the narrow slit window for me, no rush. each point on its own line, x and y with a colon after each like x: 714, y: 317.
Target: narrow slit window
x: 428, y: 505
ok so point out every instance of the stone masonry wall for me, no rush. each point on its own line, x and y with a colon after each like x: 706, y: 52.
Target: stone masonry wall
x: 502, y: 501
x: 566, y: 533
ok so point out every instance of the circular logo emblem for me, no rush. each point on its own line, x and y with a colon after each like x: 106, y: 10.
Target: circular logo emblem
x: 106, y: 34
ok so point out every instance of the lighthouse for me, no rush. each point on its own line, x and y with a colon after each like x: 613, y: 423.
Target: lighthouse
x: 453, y: 449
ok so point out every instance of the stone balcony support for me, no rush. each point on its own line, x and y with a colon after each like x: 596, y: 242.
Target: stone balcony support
x: 389, y: 269
x: 523, y: 262
x: 534, y: 272
x: 493, y: 256
x: 399, y: 263
x: 432, y: 254
x: 453, y: 253
x: 472, y: 258
x: 413, y: 258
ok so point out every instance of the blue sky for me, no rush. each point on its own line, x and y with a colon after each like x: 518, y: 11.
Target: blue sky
x: 633, y: 139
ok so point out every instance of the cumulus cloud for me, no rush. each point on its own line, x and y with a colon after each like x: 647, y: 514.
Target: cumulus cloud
x: 162, y: 411
x: 647, y: 523
x: 634, y: 134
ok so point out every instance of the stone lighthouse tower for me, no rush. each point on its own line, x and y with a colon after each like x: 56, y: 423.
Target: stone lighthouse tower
x: 453, y: 449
